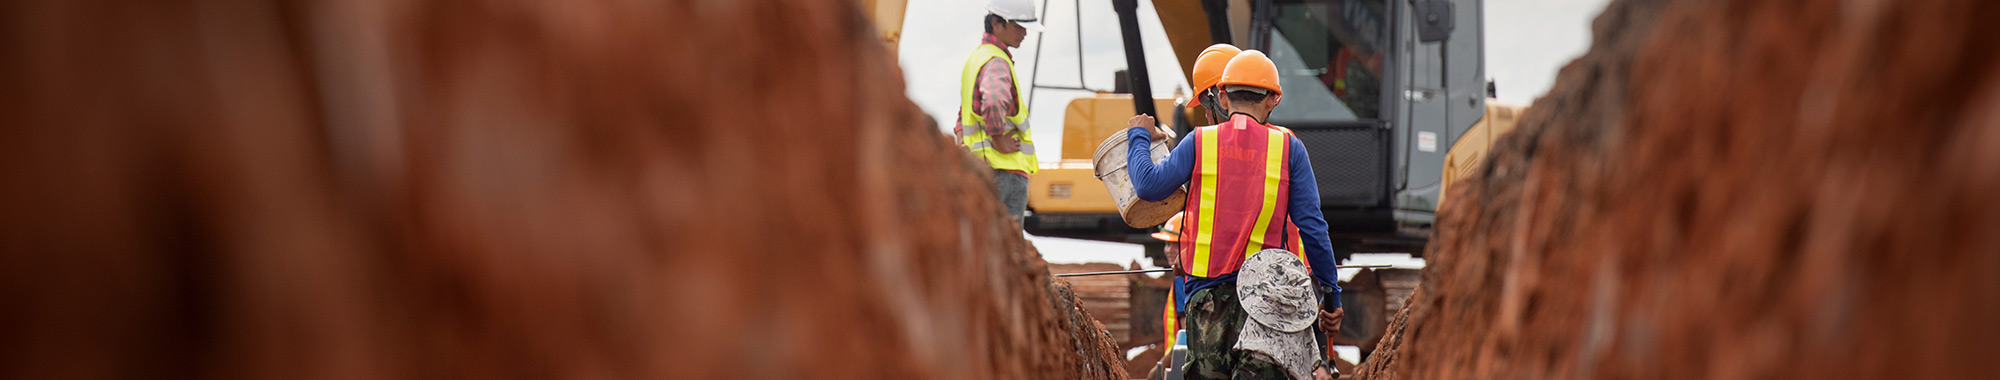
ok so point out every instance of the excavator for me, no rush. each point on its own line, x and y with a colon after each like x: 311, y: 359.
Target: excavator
x: 887, y: 15
x: 1378, y: 90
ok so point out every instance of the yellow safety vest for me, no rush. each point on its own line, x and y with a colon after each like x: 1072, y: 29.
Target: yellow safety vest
x: 968, y: 116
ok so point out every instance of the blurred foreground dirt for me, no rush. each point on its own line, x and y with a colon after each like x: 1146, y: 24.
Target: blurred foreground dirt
x: 1733, y: 190
x: 487, y: 189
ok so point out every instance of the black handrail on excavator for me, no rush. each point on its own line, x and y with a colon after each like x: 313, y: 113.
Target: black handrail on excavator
x: 1135, y: 57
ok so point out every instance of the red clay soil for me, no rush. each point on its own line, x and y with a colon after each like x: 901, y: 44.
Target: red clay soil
x: 486, y: 189
x: 1730, y: 190
x: 1108, y: 297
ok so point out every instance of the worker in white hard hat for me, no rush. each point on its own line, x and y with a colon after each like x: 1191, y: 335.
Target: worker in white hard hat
x: 992, y: 120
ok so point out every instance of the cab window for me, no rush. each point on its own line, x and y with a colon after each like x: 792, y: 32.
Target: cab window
x: 1329, y: 57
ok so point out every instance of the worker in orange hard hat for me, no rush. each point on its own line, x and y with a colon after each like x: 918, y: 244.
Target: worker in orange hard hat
x: 1246, y: 179
x: 1171, y: 233
x: 1208, y: 70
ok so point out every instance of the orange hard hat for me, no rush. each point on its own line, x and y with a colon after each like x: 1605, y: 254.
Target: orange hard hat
x: 1208, y: 68
x: 1170, y: 232
x: 1251, y: 68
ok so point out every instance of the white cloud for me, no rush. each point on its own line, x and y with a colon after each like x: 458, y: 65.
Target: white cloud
x: 1527, y: 41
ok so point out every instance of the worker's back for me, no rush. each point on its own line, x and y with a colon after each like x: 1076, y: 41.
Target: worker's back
x: 1239, y: 192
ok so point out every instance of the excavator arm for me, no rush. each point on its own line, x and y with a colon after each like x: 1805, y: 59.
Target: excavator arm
x: 888, y: 17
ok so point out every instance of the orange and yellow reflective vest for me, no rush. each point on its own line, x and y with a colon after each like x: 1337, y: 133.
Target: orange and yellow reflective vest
x: 1238, y: 196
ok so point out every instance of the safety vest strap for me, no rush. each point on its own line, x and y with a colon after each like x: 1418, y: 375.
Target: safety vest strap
x: 987, y: 143
x: 1204, y: 237
x: 1170, y: 319
x: 1274, y: 164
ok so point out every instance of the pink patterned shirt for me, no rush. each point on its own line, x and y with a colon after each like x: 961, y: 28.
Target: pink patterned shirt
x: 993, y: 94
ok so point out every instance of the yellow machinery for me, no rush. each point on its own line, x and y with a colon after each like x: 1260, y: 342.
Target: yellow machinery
x: 1066, y: 197
x: 888, y: 17
x: 1470, y: 150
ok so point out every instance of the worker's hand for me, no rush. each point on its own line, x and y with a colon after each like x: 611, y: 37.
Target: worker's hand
x: 1140, y: 120
x: 1329, y: 322
x: 1004, y: 142
x: 1147, y: 122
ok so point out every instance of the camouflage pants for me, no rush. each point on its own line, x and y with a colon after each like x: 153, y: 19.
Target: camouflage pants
x: 1214, y: 318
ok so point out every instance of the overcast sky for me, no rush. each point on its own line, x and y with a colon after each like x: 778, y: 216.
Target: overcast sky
x: 1526, y: 42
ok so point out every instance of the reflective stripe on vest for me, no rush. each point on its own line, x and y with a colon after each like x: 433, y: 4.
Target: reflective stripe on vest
x: 1172, y: 323
x: 1241, y: 189
x: 987, y: 143
x: 969, y: 120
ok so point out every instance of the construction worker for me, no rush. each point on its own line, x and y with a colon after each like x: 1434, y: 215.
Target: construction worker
x: 1207, y: 71
x: 1245, y: 179
x: 1171, y: 234
x: 1177, y: 296
x: 992, y: 121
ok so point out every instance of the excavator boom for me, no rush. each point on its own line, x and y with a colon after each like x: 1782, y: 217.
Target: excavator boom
x: 888, y: 18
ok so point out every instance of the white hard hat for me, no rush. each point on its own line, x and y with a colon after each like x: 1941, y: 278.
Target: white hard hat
x: 1020, y: 11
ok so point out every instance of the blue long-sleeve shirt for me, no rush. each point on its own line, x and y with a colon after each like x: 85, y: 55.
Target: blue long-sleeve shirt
x: 1155, y: 182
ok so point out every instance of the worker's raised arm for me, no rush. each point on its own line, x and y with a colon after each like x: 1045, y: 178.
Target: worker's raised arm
x: 1304, y: 209
x: 1155, y: 182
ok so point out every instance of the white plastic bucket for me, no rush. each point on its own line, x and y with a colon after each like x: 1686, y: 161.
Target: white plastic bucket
x: 1109, y: 164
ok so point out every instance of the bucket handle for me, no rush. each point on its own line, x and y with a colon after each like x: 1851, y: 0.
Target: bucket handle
x: 1115, y: 169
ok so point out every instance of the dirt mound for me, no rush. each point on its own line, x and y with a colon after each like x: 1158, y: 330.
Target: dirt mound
x: 484, y: 189
x: 1733, y: 189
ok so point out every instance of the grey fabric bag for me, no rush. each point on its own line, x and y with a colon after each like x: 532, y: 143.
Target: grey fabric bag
x: 1277, y: 293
